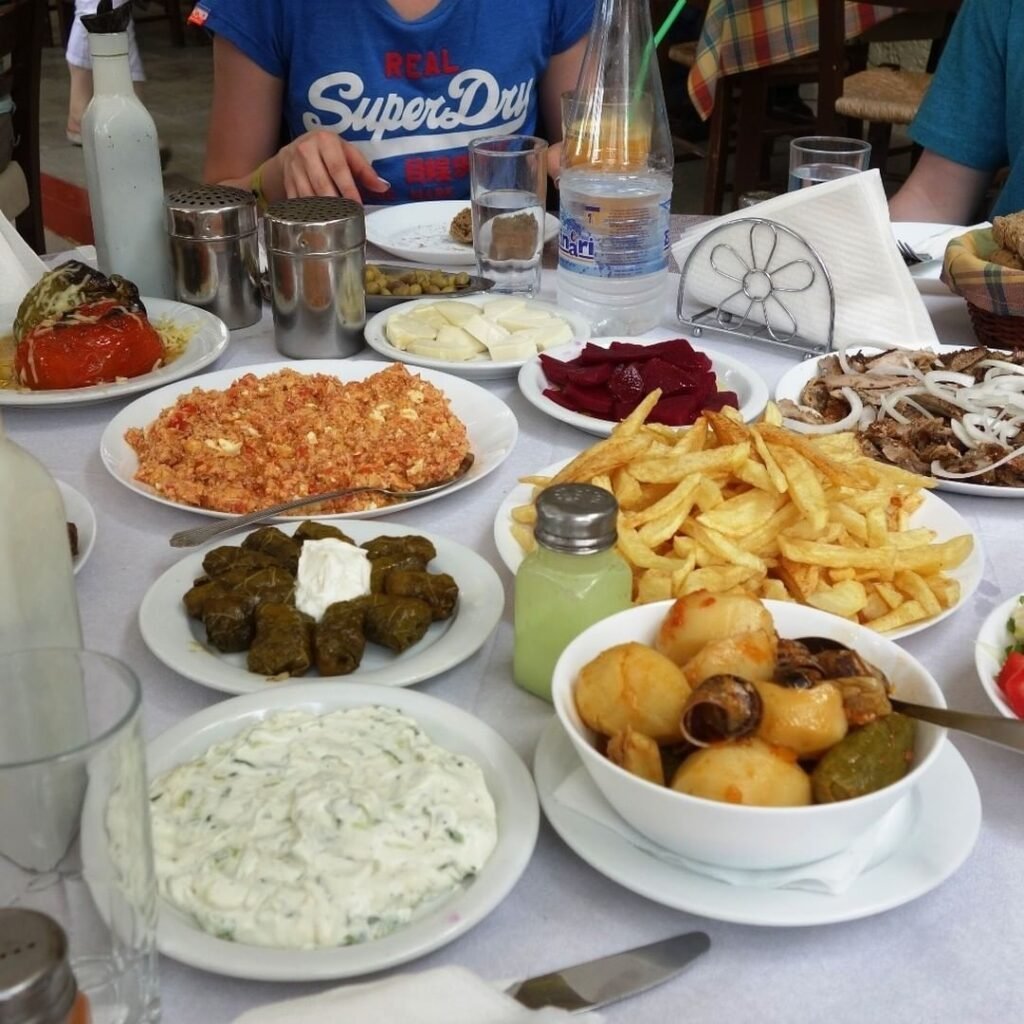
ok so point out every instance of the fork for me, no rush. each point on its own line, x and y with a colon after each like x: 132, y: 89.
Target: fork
x: 910, y: 257
x: 201, y: 534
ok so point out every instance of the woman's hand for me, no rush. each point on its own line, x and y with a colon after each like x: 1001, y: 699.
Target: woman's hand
x: 320, y: 163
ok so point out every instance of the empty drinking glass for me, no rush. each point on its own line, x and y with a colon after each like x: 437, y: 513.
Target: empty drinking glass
x: 817, y: 158
x: 74, y: 821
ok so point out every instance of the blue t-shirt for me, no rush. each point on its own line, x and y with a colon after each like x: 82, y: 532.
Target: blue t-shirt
x: 973, y: 113
x: 410, y: 94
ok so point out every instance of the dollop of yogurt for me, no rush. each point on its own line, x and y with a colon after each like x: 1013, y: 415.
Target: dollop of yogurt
x: 310, y: 830
x: 330, y: 570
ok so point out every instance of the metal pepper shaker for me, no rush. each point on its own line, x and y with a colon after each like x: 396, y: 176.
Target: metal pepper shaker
x: 215, y: 251
x: 315, y: 254
x: 36, y: 983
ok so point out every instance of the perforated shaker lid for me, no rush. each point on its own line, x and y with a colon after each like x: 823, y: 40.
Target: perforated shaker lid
x: 36, y: 983
x: 578, y: 518
x: 210, y: 212
x: 314, y: 225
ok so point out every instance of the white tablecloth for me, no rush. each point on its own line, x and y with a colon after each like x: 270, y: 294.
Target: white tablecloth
x: 952, y: 955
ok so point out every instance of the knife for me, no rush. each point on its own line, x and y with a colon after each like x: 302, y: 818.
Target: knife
x: 597, y: 983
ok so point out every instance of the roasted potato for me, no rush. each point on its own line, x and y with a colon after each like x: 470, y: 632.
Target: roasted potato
x: 747, y: 771
x: 807, y: 721
x: 632, y: 686
x: 701, y: 618
x: 747, y: 655
x: 638, y: 754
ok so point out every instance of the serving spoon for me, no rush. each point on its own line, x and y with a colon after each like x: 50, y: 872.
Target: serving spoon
x: 201, y: 534
x: 1006, y: 732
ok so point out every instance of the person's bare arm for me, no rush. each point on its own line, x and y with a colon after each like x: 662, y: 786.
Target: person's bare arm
x: 940, y: 191
x: 245, y: 117
x: 245, y: 127
x: 561, y: 75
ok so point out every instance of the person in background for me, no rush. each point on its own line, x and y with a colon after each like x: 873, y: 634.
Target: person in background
x: 380, y: 98
x: 971, y: 122
x: 80, y: 66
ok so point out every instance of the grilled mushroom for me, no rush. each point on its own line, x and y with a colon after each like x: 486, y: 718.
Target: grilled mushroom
x: 723, y: 707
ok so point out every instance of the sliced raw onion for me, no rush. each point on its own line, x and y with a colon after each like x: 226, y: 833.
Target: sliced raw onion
x: 846, y: 423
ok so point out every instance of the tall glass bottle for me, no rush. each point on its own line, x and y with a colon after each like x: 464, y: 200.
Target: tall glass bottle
x: 616, y: 177
x: 573, y: 578
x: 122, y: 163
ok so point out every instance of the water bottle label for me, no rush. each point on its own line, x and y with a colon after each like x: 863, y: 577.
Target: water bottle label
x: 613, y: 239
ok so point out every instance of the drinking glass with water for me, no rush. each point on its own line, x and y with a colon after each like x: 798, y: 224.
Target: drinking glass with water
x: 508, y: 184
x: 817, y: 158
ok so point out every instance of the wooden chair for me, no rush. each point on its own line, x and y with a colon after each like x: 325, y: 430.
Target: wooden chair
x: 23, y: 29
x: 881, y: 97
x: 742, y: 125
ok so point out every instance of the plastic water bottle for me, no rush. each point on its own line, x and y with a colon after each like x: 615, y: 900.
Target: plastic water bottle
x: 616, y: 178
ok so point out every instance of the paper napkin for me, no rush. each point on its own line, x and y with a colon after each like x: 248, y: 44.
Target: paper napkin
x: 846, y: 222
x: 832, y: 875
x: 446, y: 995
x: 20, y: 267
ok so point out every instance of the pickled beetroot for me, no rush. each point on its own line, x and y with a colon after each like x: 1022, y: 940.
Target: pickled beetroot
x: 609, y: 383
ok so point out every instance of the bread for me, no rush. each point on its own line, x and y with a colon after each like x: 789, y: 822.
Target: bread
x: 1008, y: 233
x: 461, y: 228
x: 1008, y: 259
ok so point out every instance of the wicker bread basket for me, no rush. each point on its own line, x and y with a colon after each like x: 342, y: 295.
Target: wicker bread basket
x: 994, y: 294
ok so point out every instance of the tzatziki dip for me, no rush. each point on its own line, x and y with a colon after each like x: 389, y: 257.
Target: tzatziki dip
x: 312, y: 830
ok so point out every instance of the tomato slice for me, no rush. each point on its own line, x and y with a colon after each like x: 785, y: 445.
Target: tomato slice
x: 1014, y: 693
x: 1011, y: 682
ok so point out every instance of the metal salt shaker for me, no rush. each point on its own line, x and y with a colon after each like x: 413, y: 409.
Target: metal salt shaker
x: 215, y: 251
x: 36, y: 983
x: 315, y: 251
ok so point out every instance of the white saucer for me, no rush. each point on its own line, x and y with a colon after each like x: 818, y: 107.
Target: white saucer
x: 932, y: 851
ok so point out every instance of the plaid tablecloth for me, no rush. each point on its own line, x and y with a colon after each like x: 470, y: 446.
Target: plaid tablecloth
x: 739, y: 35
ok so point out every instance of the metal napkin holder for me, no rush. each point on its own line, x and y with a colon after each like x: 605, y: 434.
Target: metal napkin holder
x: 744, y: 255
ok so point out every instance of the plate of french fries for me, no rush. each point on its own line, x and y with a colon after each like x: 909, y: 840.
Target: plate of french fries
x: 725, y: 506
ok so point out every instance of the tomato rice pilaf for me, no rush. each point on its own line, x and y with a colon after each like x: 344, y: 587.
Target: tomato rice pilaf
x: 269, y: 439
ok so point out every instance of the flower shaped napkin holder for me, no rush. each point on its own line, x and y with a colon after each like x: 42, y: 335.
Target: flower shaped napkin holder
x: 759, y: 280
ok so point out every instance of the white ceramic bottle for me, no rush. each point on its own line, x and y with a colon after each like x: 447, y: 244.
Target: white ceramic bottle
x: 122, y: 165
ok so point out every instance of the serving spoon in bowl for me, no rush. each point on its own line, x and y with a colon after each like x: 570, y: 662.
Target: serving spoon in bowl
x: 1006, y: 732
x: 201, y: 534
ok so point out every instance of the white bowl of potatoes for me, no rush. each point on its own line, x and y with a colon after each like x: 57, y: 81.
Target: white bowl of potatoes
x: 718, y: 736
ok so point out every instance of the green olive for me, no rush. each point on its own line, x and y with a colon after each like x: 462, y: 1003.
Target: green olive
x: 404, y: 283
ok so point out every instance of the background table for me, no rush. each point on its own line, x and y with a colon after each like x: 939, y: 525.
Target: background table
x: 740, y: 35
x: 952, y: 955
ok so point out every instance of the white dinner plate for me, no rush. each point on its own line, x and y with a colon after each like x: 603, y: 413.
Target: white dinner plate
x: 945, y: 817
x: 793, y: 381
x: 732, y: 375
x: 990, y: 652
x: 491, y: 426
x: 481, y: 368
x: 933, y: 514
x: 507, y: 779
x: 206, y: 344
x: 77, y: 510
x: 180, y: 642
x: 419, y: 232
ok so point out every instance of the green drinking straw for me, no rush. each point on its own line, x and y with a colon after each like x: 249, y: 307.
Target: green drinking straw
x: 654, y: 44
